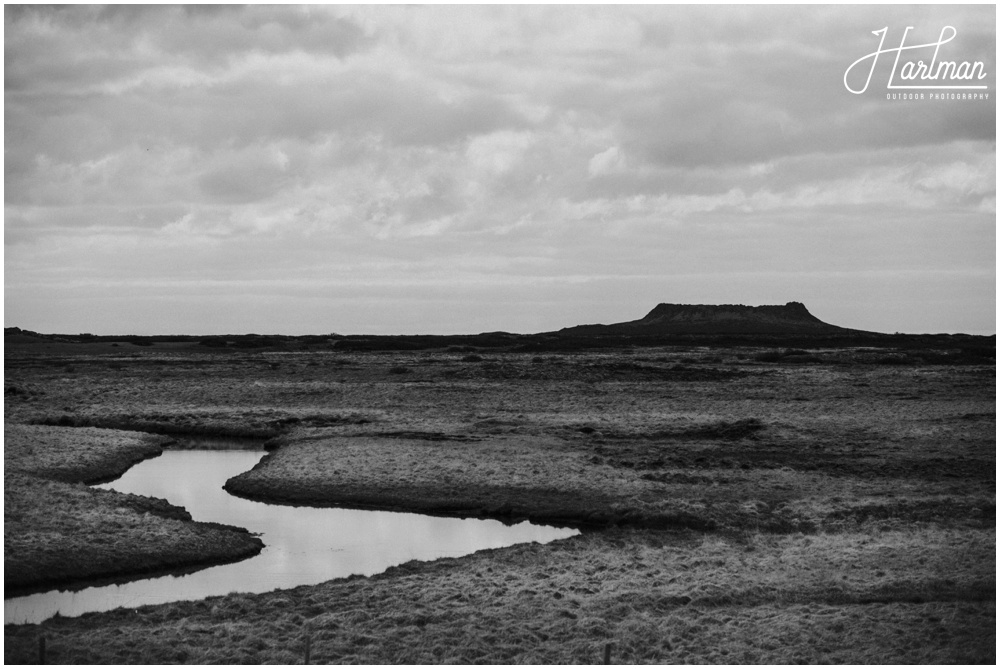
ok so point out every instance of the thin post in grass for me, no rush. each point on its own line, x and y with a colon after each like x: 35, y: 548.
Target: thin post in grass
x: 607, y: 653
x: 308, y: 648
x: 41, y: 650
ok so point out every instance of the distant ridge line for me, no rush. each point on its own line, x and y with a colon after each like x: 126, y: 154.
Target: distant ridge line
x: 668, y: 318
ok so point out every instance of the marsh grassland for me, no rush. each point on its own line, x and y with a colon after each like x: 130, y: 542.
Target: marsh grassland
x: 739, y: 504
x: 58, y: 531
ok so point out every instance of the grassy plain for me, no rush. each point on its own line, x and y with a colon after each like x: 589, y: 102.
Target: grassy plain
x: 741, y: 505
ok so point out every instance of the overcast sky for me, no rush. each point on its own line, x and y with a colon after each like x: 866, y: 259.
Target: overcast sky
x: 376, y: 169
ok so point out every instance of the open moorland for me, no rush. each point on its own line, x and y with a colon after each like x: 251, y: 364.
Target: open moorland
x: 743, y: 500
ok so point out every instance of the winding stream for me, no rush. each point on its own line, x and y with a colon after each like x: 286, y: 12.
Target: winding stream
x: 303, y: 545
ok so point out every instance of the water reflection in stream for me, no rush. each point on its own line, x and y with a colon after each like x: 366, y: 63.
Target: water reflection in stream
x: 303, y: 545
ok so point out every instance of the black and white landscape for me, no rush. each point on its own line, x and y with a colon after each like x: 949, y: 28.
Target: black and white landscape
x: 512, y: 334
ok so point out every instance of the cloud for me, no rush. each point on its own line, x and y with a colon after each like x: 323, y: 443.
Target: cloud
x: 542, y: 142
x: 498, y: 152
x: 607, y: 162
x: 245, y: 175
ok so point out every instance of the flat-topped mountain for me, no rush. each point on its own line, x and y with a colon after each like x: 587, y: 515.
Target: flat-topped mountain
x: 791, y: 318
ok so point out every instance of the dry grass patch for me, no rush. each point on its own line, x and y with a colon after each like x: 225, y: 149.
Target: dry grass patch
x: 59, y: 531
x: 544, y: 479
x: 559, y: 480
x: 896, y: 597
x: 75, y: 455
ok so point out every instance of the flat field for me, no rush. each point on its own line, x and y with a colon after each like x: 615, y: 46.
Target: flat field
x: 739, y: 504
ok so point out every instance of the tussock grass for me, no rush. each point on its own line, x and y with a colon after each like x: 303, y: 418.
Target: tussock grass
x: 845, y: 508
x: 491, y: 477
x: 551, y: 479
x: 75, y: 455
x: 165, y: 425
x: 59, y: 531
x: 656, y: 596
